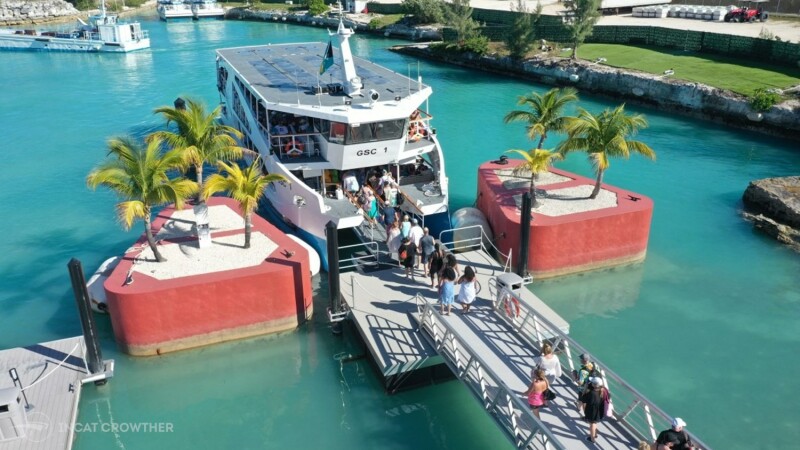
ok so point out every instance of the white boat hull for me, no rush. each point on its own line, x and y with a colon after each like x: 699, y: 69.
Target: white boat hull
x: 97, y: 293
x: 53, y: 44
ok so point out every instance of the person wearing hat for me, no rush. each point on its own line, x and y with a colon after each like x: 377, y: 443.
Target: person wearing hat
x: 592, y: 405
x: 676, y: 438
x: 588, y: 369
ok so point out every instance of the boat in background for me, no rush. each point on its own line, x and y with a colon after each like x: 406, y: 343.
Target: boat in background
x: 207, y: 9
x: 103, y: 33
x: 189, y: 9
x: 174, y: 9
x: 363, y: 125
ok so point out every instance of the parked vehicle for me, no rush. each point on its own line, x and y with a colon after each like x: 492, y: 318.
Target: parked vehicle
x: 748, y: 13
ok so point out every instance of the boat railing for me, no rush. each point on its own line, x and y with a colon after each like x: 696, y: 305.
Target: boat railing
x: 481, y: 239
x: 632, y: 410
x: 295, y: 145
x: 355, y: 260
x: 502, y: 403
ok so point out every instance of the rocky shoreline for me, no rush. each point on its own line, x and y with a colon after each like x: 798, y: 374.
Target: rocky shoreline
x: 773, y: 205
x: 689, y: 98
x: 27, y: 12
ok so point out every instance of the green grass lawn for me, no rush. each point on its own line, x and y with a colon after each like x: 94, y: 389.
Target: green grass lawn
x: 738, y: 75
x: 385, y: 20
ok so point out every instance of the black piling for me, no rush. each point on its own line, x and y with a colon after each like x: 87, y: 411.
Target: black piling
x: 524, y: 235
x: 94, y: 356
x: 332, y: 237
x: 180, y: 104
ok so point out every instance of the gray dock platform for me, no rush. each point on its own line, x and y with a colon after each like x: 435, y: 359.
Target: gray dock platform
x: 383, y: 304
x: 51, y: 374
x: 492, y: 351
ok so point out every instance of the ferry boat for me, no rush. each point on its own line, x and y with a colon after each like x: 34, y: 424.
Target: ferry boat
x: 207, y: 9
x: 320, y: 116
x: 174, y: 9
x: 103, y: 33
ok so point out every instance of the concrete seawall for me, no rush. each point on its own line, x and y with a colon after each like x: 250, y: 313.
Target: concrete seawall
x: 689, y: 98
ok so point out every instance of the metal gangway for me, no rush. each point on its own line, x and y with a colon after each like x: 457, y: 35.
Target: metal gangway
x: 491, y: 351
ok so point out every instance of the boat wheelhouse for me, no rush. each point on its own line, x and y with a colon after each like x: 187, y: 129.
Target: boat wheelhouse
x: 103, y: 33
x: 320, y: 116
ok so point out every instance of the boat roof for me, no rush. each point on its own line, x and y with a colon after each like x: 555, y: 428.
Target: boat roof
x: 289, y: 74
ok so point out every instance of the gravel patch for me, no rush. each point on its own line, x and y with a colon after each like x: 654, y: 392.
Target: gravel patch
x: 187, y: 259
x: 571, y: 200
x: 523, y: 179
x: 181, y: 223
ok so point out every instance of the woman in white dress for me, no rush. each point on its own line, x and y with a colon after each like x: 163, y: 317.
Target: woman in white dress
x: 393, y: 240
x: 548, y: 362
x: 468, y: 289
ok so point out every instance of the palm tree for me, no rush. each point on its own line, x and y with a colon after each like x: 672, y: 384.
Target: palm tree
x: 536, y: 161
x: 200, y: 137
x: 139, y: 175
x: 245, y: 186
x: 545, y: 112
x: 605, y: 136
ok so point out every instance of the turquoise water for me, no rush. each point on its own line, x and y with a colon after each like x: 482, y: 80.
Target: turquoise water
x: 706, y: 327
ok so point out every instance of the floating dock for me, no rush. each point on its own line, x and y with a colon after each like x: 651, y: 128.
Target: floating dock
x: 491, y: 351
x: 39, y: 409
x: 383, y: 305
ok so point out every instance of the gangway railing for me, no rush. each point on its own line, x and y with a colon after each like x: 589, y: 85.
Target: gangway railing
x: 472, y: 242
x: 511, y: 413
x: 632, y: 410
x: 355, y: 261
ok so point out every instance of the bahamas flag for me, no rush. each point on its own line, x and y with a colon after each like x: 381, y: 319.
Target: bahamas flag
x: 327, y: 59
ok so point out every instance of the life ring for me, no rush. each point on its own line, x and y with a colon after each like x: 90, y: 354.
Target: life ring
x: 507, y: 300
x: 294, y: 148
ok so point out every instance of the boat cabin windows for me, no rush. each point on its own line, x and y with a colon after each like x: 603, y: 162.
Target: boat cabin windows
x: 359, y: 133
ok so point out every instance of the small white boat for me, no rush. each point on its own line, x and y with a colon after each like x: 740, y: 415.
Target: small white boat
x: 207, y: 9
x: 103, y: 33
x: 174, y: 9
x: 97, y: 294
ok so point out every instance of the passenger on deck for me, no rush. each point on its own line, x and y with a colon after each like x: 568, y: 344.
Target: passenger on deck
x: 415, y: 234
x: 426, y: 247
x: 389, y: 216
x: 593, y: 406
x: 549, y: 362
x: 447, y: 290
x: 390, y: 193
x: 535, y: 392
x: 450, y: 262
x: 350, y: 183
x: 409, y: 250
x: 405, y: 227
x: 676, y: 438
x: 437, y: 263
x: 393, y: 241
x: 468, y: 289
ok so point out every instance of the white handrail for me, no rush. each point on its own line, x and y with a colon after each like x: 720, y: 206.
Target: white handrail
x: 483, y: 238
x: 641, y: 416
x: 506, y: 404
x: 371, y: 246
